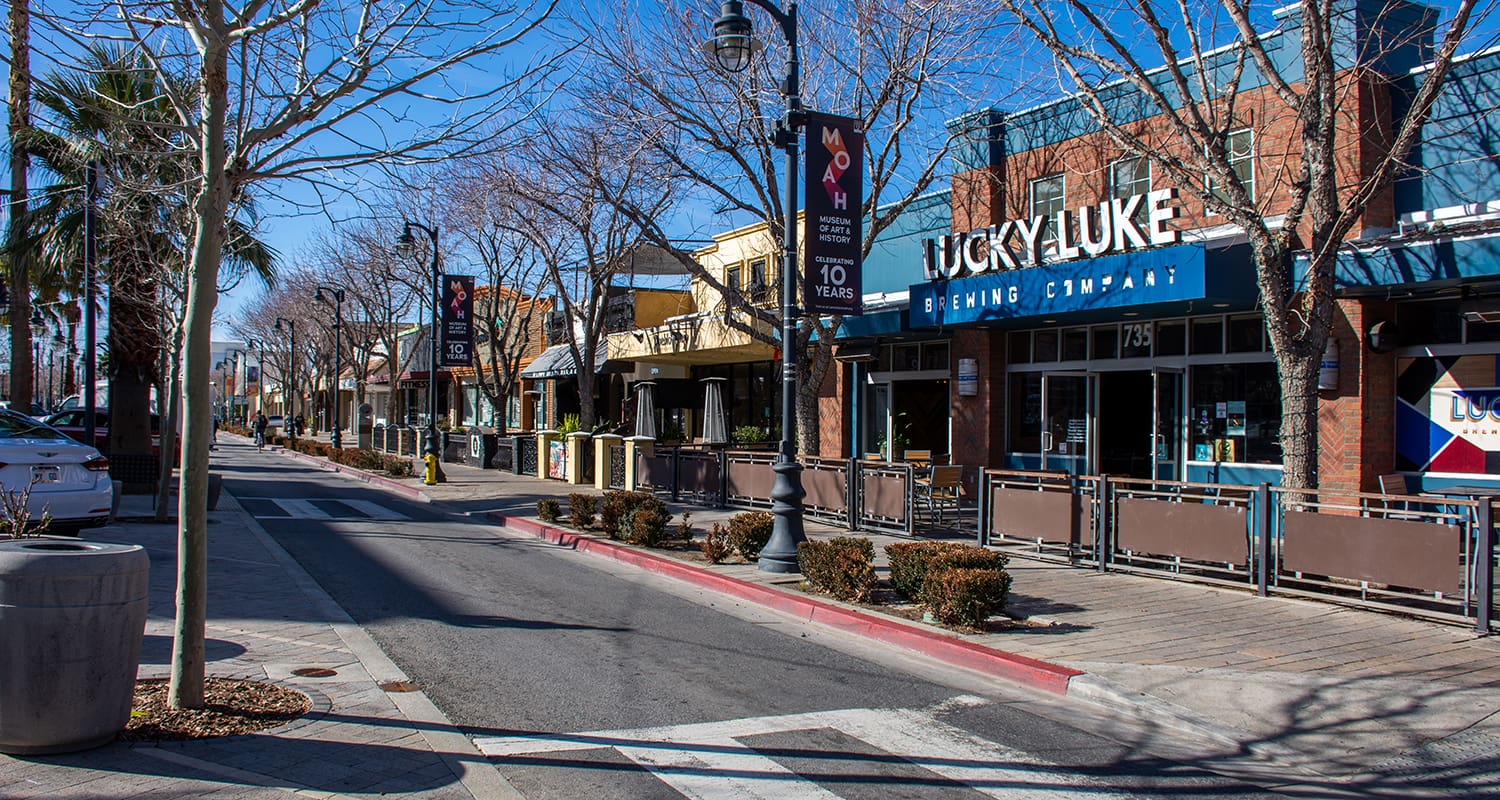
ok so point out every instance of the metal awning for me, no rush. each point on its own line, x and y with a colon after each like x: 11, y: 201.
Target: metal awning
x: 557, y: 362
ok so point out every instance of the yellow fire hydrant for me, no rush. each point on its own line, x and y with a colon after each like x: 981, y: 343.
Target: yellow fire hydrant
x: 430, y: 476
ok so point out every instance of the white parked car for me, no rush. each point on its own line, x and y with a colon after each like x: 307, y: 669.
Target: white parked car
x: 67, y: 479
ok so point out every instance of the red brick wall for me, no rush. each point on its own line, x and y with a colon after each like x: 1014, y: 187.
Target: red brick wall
x: 833, y: 405
x: 978, y: 422
x: 1356, y: 422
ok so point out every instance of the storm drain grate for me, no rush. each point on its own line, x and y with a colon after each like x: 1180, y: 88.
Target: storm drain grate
x: 399, y: 686
x: 314, y: 672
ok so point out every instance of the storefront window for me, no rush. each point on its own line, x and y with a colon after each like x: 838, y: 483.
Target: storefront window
x: 1438, y: 322
x: 906, y: 357
x: 1208, y: 336
x: 1135, y: 339
x: 1024, y: 415
x: 1075, y: 344
x: 1171, y: 338
x: 1236, y: 413
x: 1245, y: 334
x: 1046, y: 346
x: 935, y: 355
x: 1106, y: 341
x: 1018, y: 347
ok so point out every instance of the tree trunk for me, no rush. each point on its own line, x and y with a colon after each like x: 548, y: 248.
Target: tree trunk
x: 172, y: 393
x: 20, y: 278
x: 209, y: 208
x: 1299, y: 420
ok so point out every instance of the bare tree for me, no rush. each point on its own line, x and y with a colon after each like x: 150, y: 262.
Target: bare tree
x: 1315, y: 184
x: 578, y: 194
x: 507, y: 307
x: 296, y: 90
x: 898, y: 67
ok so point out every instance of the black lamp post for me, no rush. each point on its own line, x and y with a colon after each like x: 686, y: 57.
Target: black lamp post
x: 733, y: 45
x: 290, y: 384
x: 406, y: 247
x: 338, y: 323
x: 90, y: 261
x: 237, y: 355
x: 38, y: 330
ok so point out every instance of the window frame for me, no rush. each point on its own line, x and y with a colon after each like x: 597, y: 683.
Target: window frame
x: 1049, y: 231
x: 1114, y: 176
x: 1248, y: 157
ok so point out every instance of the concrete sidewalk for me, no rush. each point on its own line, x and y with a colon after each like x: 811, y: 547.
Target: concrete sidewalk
x: 1388, y: 705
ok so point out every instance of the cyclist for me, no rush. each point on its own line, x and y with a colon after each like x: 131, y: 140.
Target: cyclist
x: 260, y: 430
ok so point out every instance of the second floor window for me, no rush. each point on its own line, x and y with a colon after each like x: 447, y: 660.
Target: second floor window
x: 759, y: 287
x: 1240, y: 146
x: 1129, y: 177
x: 1046, y: 201
x: 732, y: 283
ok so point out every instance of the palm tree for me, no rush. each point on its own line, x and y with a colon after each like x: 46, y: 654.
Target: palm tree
x: 114, y: 112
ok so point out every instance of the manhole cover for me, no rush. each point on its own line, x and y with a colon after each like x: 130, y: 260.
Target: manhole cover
x: 314, y: 672
x: 399, y: 686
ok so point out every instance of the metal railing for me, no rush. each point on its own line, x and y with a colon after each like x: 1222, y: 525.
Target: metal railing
x: 1418, y: 555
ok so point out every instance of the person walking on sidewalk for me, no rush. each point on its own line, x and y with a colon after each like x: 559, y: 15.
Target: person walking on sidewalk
x: 260, y: 430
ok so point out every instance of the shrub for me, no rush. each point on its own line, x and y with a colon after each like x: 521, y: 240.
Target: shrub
x: 570, y: 424
x: 967, y: 556
x: 396, y: 466
x: 747, y: 434
x: 648, y: 525
x: 685, y: 527
x: 548, y: 509
x: 749, y: 532
x: 910, y: 563
x: 843, y: 566
x: 617, y: 506
x: 581, y: 509
x: 716, y: 545
x: 965, y: 595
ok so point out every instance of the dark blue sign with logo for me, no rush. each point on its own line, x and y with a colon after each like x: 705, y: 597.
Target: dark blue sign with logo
x: 1170, y: 274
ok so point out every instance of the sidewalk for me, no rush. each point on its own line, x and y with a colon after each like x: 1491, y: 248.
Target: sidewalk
x: 1335, y: 690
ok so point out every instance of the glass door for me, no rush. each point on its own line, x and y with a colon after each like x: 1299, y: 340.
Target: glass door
x: 1068, y: 422
x: 1167, y: 423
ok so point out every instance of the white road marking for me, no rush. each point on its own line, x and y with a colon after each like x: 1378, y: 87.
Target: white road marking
x: 305, y: 509
x: 705, y: 761
x: 374, y: 510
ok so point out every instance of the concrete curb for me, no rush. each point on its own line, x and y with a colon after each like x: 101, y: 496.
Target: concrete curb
x: 950, y: 650
x: 360, y: 475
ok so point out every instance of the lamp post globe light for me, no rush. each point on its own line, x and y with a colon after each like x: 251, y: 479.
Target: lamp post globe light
x: 406, y: 247
x: 322, y: 295
x: 289, y: 384
x: 733, y: 46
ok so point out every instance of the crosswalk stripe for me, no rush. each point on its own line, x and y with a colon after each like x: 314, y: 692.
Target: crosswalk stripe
x: 373, y: 510
x: 303, y: 509
x: 705, y: 760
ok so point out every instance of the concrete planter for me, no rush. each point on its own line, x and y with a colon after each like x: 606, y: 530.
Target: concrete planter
x: 72, y: 617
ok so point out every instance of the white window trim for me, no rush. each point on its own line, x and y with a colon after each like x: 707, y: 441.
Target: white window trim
x: 1114, y: 186
x: 1208, y: 182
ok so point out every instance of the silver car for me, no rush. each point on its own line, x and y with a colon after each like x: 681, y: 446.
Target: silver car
x: 67, y: 479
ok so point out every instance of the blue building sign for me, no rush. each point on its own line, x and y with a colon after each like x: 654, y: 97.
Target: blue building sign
x: 1148, y: 277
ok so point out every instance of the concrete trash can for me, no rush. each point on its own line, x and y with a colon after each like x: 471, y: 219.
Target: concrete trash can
x: 72, y: 619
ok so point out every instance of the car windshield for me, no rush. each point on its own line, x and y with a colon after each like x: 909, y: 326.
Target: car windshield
x: 13, y: 426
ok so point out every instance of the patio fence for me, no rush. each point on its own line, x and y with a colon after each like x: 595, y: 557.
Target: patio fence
x: 878, y: 498
x: 1418, y: 555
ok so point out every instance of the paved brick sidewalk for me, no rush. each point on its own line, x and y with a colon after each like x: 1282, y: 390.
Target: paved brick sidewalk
x: 266, y: 619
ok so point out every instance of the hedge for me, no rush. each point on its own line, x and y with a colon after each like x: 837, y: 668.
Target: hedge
x: 842, y: 566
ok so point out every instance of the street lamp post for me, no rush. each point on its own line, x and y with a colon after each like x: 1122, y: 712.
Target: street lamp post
x: 238, y: 387
x: 406, y: 247
x: 38, y: 330
x: 290, y: 382
x: 733, y: 45
x: 338, y: 323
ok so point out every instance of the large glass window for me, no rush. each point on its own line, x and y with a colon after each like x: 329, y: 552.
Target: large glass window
x: 1018, y: 347
x: 1046, y: 201
x: 1236, y: 413
x: 1024, y: 414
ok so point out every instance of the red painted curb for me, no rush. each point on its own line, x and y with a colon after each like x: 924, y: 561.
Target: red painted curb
x: 358, y: 474
x: 1028, y: 671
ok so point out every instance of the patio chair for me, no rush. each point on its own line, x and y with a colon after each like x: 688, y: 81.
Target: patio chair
x: 939, y: 489
x: 1395, y: 484
x: 917, y: 458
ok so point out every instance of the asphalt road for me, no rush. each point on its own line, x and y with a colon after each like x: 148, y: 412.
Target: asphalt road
x: 584, y: 678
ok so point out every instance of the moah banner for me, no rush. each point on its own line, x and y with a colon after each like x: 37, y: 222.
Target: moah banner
x: 1171, y: 274
x: 456, y: 346
x: 834, y: 191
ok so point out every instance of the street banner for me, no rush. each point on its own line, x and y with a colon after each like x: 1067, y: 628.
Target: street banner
x: 456, y: 347
x: 834, y: 191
